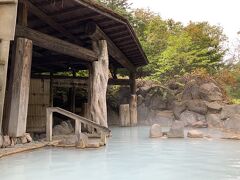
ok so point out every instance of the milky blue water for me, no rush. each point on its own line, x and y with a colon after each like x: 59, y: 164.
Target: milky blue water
x: 130, y: 155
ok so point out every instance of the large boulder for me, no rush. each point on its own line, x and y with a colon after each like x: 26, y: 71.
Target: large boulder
x: 159, y: 98
x: 178, y: 108
x: 191, y: 91
x: 233, y: 123
x: 210, y: 92
x: 230, y: 110
x: 214, y: 120
x: 156, y: 131
x: 165, y: 118
x: 189, y: 118
x: 197, y: 106
x: 194, y: 134
x: 64, y: 128
x: 177, y: 130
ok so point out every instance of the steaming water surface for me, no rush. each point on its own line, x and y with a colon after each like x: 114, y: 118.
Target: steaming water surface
x: 130, y: 155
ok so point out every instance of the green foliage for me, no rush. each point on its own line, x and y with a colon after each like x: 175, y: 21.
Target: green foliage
x: 122, y: 7
x: 172, y: 48
x: 229, y: 77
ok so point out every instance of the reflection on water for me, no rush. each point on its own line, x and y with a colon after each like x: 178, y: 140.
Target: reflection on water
x: 130, y: 154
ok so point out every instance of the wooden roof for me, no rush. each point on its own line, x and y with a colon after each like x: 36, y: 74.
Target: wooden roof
x: 67, y: 19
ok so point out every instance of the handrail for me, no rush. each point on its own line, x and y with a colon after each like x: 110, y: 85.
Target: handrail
x: 78, y: 120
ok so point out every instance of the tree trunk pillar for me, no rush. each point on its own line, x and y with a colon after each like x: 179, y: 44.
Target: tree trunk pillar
x: 4, y: 54
x: 98, y: 84
x: 20, y: 88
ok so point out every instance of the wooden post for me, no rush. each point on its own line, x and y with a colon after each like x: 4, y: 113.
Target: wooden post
x: 133, y: 99
x: 78, y: 127
x: 4, y: 53
x: 124, y: 115
x: 133, y: 109
x: 49, y: 124
x: 133, y: 83
x: 51, y: 90
x: 20, y: 88
x: 98, y: 84
x: 103, y: 138
x: 73, y: 96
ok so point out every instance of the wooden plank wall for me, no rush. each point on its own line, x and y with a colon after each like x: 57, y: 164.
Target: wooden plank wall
x: 39, y: 100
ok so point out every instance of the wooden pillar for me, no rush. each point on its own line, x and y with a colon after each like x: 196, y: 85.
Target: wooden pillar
x: 4, y: 53
x: 49, y: 124
x: 73, y: 96
x: 20, y: 88
x: 51, y: 90
x: 133, y: 109
x: 133, y: 85
x: 133, y: 100
x: 124, y: 115
x: 98, y: 84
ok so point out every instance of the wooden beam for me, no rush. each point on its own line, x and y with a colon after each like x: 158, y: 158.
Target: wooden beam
x: 22, y: 17
x: 48, y: 20
x: 55, y: 44
x: 95, y: 33
x: 78, y: 81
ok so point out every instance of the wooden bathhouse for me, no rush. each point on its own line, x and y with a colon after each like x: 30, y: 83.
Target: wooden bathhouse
x: 44, y: 43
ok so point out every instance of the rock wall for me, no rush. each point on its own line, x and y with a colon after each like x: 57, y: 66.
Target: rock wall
x: 198, y: 104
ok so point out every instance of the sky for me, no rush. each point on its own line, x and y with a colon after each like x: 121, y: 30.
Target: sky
x: 225, y: 13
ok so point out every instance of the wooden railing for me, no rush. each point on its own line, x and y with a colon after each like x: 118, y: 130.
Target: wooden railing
x: 104, y: 131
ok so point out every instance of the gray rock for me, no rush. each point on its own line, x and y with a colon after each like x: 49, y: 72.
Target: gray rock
x: 64, y: 128
x: 6, y: 141
x: 194, y: 134
x: 177, y: 130
x: 214, y: 120
x: 178, y: 108
x: 143, y: 90
x: 197, y: 106
x: 142, y: 113
x: 210, y: 92
x: 214, y: 107
x: 82, y: 141
x: 229, y: 110
x: 189, y: 118
x: 28, y: 137
x: 68, y: 139
x: 156, y: 131
x: 200, y: 124
x: 233, y: 123
x: 140, y: 99
x: 191, y: 91
x: 23, y: 140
